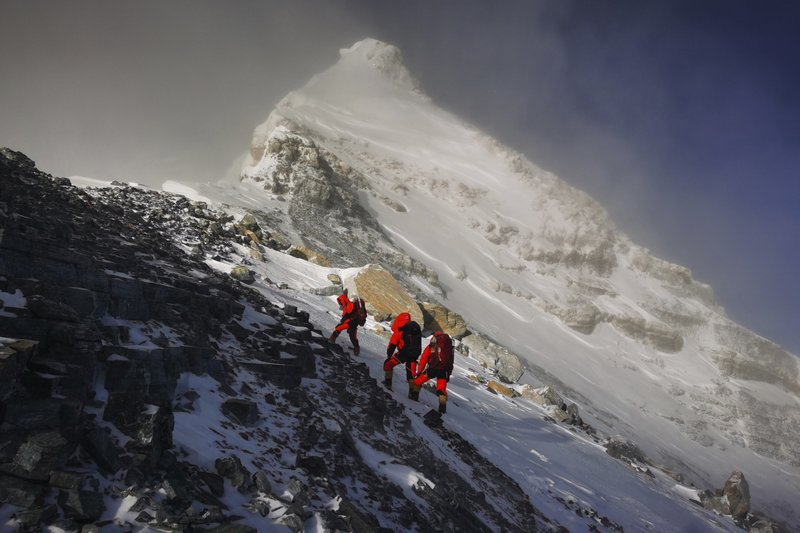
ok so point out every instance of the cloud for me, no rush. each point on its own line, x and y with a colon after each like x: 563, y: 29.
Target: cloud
x: 149, y: 91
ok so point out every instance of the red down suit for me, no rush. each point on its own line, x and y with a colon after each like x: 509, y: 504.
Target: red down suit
x: 397, y: 351
x: 349, y: 322
x: 436, y: 362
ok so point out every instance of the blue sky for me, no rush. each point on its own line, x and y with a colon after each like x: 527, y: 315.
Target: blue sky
x: 682, y: 118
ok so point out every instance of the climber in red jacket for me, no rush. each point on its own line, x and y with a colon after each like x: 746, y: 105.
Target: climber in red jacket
x: 407, y: 340
x: 436, y: 362
x: 348, y: 322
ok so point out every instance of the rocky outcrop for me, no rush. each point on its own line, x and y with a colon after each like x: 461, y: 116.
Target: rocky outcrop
x: 306, y: 253
x: 625, y: 451
x: 733, y: 499
x: 656, y: 335
x: 675, y: 277
x: 558, y: 409
x: 584, y: 316
x: 243, y: 274
x: 508, y: 366
x: 440, y: 318
x: 581, y: 315
x: 543, y: 396
x: 293, y: 164
x: 257, y: 233
x: 384, y: 295
x: 756, y: 358
x: 499, y: 388
x: 599, y: 259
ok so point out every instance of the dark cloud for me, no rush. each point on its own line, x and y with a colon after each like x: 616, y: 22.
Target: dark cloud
x: 681, y: 117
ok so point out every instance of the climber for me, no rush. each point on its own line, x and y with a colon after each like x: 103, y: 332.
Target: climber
x: 436, y: 362
x: 407, y: 340
x: 348, y: 322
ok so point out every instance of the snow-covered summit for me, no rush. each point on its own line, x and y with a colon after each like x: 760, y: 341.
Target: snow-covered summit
x: 383, y: 57
x: 369, y: 111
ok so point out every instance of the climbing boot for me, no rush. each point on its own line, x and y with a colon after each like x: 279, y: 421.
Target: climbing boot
x: 442, y: 403
x: 387, y: 379
x: 333, y: 336
x: 356, y: 349
x: 413, y: 391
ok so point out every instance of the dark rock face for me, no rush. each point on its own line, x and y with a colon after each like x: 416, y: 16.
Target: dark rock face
x: 737, y: 491
x: 626, y: 451
x: 81, y: 263
x: 733, y: 499
x: 231, y: 468
x: 241, y: 411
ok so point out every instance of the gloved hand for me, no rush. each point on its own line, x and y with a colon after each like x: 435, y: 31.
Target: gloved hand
x: 447, y: 376
x: 389, y: 351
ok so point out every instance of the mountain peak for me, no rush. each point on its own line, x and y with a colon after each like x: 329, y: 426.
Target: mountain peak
x: 377, y: 53
x: 382, y: 57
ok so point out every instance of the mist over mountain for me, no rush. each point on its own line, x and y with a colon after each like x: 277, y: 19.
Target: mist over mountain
x: 183, y: 332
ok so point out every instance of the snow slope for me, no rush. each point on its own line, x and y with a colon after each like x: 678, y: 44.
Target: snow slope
x: 561, y: 471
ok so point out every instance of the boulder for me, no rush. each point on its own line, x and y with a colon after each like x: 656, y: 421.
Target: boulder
x: 232, y: 469
x: 243, y: 274
x: 737, y: 492
x: 552, y: 397
x: 154, y: 431
x: 14, y: 357
x: 529, y: 392
x: 30, y: 519
x: 33, y: 414
x: 625, y: 451
x: 19, y: 492
x: 312, y: 256
x: 582, y: 315
x: 559, y: 415
x: 440, y: 318
x: 42, y: 307
x: 249, y: 223
x: 384, y: 295
x: 68, y: 480
x: 277, y: 241
x: 574, y: 417
x: 508, y: 366
x: 499, y: 388
x: 40, y: 454
x: 762, y: 526
x: 83, y: 506
x: 242, y: 412
x: 262, y: 482
x: 330, y: 290
x: 105, y: 453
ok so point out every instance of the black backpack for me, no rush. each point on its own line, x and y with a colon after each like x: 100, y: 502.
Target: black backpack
x: 360, y: 311
x: 412, y: 340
